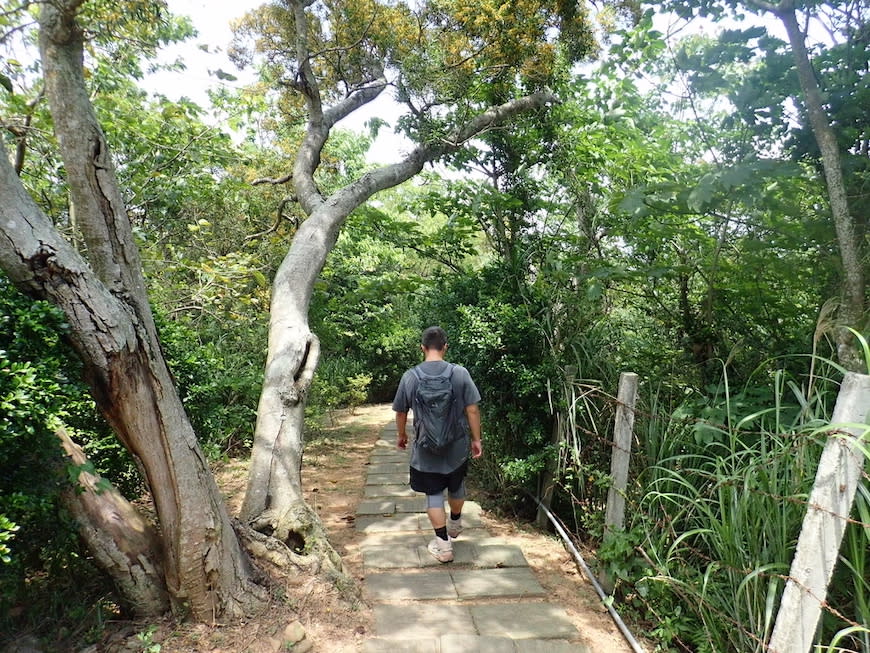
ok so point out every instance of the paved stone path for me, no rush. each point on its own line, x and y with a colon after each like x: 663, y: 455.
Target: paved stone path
x: 486, y: 601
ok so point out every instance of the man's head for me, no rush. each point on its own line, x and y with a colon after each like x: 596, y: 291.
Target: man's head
x: 434, y: 338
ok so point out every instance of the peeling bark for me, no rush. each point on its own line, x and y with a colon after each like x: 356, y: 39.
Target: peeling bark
x: 207, y: 574
x: 123, y: 543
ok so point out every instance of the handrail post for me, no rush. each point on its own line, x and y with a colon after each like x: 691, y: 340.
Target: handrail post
x: 614, y: 517
x: 828, y: 509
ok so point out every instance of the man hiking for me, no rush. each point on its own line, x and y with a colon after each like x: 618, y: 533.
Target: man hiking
x: 446, y: 415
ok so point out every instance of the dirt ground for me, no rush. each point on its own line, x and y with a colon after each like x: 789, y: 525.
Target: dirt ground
x: 334, y: 473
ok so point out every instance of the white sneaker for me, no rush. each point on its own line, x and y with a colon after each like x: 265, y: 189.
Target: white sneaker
x: 454, y: 527
x: 441, y: 550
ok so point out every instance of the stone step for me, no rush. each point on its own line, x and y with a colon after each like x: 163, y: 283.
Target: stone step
x: 452, y: 584
x: 397, y: 490
x: 487, y: 600
x: 390, y: 466
x: 413, y: 555
x: 471, y: 644
x: 413, y: 521
x: 516, y: 621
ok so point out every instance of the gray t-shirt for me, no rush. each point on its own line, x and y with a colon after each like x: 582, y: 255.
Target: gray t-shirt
x: 468, y: 394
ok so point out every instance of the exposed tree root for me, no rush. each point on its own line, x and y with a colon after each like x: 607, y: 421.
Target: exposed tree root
x: 298, y: 540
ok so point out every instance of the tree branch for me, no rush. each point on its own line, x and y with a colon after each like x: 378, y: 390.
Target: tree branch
x: 354, y: 101
x: 273, y: 181
x: 278, y: 217
x: 100, y: 206
x: 394, y: 174
x: 497, y: 115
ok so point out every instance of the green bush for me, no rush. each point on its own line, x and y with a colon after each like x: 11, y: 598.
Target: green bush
x: 723, y: 496
x: 45, y: 573
x: 219, y: 382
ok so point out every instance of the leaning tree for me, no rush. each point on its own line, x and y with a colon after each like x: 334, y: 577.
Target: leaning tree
x: 198, y: 565
x: 458, y: 68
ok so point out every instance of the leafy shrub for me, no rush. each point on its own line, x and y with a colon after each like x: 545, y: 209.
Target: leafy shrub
x: 45, y: 571
x: 219, y: 384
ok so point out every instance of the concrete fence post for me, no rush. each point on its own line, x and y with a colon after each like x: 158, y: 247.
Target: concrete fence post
x: 825, y: 522
x: 623, y: 431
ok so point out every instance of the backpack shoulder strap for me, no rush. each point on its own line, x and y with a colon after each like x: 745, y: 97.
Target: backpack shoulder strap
x: 420, y: 374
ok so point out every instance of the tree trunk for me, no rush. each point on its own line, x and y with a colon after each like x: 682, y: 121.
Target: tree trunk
x: 206, y: 571
x: 105, y: 303
x: 124, y: 544
x: 274, y: 503
x: 852, y: 312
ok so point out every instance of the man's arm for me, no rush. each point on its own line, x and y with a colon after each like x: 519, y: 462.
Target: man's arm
x: 401, y: 433
x: 472, y: 414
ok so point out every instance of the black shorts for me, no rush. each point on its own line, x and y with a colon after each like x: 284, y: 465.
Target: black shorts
x: 434, y: 483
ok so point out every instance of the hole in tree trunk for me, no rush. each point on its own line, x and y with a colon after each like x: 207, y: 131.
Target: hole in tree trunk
x: 296, y: 542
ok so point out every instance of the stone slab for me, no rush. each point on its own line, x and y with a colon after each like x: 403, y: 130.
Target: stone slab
x: 396, y: 467
x: 380, y: 463
x: 498, y: 556
x: 386, y: 538
x: 398, y: 586
x: 393, y: 478
x: 376, y: 507
x: 411, y: 553
x: 480, y: 537
x: 384, y: 457
x: 523, y: 621
x: 389, y: 491
x: 418, y: 622
x: 387, y: 449
x: 390, y: 556
x: 549, y: 646
x: 471, y: 644
x: 416, y: 503
x: 463, y: 554
x: 379, y: 523
x: 492, y: 583
x: 453, y: 643
x: 381, y: 645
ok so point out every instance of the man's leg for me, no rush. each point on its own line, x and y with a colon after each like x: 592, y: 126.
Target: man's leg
x: 435, y: 510
x: 455, y: 499
x: 455, y: 506
x: 440, y: 548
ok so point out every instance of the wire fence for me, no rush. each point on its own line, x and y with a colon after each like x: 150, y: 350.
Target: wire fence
x: 708, y: 470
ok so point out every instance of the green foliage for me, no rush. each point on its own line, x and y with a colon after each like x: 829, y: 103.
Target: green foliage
x: 33, y: 387
x: 219, y: 386
x: 7, y: 532
x: 361, y: 312
x: 723, y: 495
x: 45, y: 575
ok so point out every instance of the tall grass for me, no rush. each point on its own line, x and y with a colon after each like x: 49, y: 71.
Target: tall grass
x: 720, y: 506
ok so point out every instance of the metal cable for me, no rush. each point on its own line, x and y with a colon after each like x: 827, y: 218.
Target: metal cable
x: 635, y: 645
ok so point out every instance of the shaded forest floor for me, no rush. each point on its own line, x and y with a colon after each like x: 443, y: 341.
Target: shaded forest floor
x: 334, y: 473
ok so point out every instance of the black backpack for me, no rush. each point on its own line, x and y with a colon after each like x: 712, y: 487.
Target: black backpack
x: 436, y: 418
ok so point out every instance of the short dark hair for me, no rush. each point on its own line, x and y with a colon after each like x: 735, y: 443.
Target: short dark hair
x: 434, y: 338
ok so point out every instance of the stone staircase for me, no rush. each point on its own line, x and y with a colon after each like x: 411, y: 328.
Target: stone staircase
x: 487, y: 600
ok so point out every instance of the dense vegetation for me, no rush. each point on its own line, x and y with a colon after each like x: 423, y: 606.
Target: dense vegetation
x: 669, y: 217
